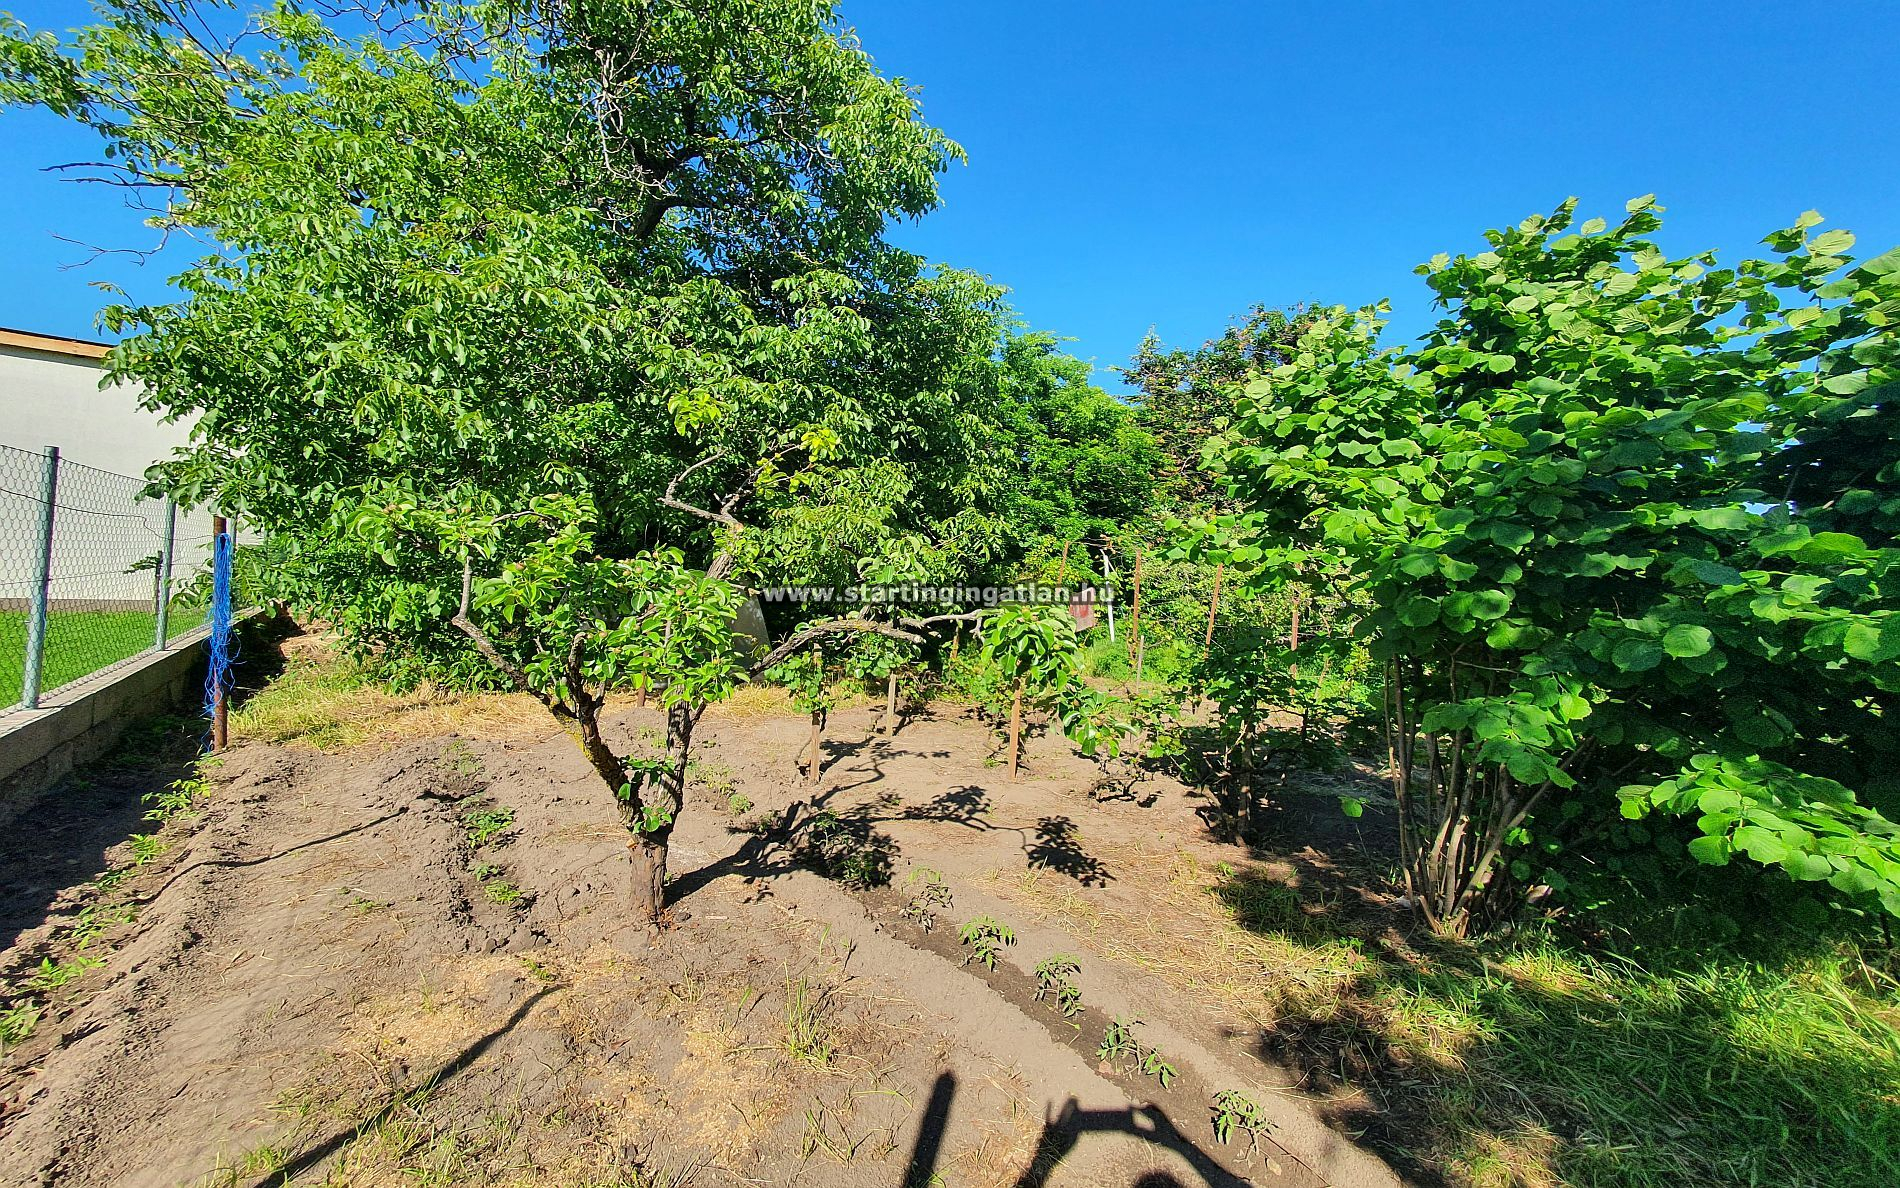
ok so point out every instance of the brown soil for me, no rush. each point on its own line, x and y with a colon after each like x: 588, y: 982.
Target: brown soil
x: 328, y: 981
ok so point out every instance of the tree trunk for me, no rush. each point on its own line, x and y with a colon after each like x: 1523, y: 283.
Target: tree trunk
x: 1016, y: 731
x: 666, y: 792
x: 890, y: 703
x: 1455, y: 824
x: 647, y: 885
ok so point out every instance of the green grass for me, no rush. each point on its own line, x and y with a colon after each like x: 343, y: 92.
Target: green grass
x: 1548, y: 1065
x: 79, y: 643
x: 1770, y: 1059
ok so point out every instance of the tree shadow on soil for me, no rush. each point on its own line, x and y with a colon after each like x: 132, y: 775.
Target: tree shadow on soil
x: 846, y: 845
x: 314, y: 1155
x: 1058, y: 847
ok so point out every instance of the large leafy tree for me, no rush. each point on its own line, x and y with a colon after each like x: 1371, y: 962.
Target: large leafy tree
x: 1079, y: 465
x: 1186, y: 395
x: 1624, y: 522
x: 515, y: 319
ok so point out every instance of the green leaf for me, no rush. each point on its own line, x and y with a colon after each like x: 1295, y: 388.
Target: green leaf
x: 1713, y: 573
x: 1687, y: 639
x: 1710, y: 851
x: 1637, y: 655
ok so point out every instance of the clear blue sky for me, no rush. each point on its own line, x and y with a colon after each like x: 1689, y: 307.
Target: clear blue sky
x: 1169, y: 165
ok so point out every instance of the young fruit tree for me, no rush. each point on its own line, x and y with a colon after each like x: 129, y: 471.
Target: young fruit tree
x: 1625, y: 523
x: 503, y: 307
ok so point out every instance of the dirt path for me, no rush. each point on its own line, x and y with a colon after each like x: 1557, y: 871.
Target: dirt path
x: 411, y: 964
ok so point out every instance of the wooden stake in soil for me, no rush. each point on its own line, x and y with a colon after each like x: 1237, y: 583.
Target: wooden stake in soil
x: 1134, y: 621
x: 1293, y: 635
x: 1213, y: 608
x: 1015, y: 731
x: 890, y: 703
x: 817, y: 712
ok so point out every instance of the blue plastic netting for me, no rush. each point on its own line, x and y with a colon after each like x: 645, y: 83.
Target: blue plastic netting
x: 220, y: 645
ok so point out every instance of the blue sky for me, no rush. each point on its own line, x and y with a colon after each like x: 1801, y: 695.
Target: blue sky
x: 1136, y: 165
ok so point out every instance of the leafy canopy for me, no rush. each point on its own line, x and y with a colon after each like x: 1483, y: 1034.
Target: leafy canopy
x: 1625, y: 521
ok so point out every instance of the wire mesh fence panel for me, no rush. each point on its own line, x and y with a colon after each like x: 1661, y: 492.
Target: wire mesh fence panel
x: 97, y: 582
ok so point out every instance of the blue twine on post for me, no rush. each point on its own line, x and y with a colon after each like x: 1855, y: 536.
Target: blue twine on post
x: 220, y: 646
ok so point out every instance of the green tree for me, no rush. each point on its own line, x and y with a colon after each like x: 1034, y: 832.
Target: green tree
x: 510, y: 319
x: 1079, y: 464
x: 1584, y: 590
x: 1186, y: 396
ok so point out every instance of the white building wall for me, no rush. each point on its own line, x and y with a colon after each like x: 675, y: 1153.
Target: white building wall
x: 50, y: 394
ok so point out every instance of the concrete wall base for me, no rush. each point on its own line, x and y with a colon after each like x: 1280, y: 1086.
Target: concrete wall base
x: 82, y: 721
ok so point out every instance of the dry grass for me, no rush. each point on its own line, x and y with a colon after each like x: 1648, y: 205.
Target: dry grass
x: 1167, y: 917
x: 325, y: 701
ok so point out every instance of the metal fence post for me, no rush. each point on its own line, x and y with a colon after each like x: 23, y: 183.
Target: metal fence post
x: 164, y: 608
x: 42, y: 582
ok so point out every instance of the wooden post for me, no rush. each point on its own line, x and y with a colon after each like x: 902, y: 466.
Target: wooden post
x: 890, y: 702
x: 817, y: 712
x: 1062, y: 567
x: 1134, y: 621
x: 220, y: 709
x: 1213, y: 608
x: 1015, y: 731
x: 1293, y: 635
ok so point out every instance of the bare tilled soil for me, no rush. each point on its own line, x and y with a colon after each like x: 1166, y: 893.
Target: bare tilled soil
x: 410, y: 961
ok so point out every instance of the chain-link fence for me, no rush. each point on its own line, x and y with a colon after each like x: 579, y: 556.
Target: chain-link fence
x: 93, y: 573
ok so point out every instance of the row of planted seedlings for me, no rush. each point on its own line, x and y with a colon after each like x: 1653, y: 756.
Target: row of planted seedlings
x: 1233, y: 1113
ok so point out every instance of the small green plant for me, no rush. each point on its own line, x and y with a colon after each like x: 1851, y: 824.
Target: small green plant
x: 462, y: 760
x: 1120, y: 1047
x: 987, y: 939
x: 932, y: 894
x: 177, y: 797
x: 502, y: 891
x: 807, y: 1035
x: 714, y: 777
x: 738, y: 804
x: 486, y: 824
x: 484, y: 871
x: 146, y: 847
x: 1118, y: 1041
x: 94, y: 919
x: 846, y: 849
x: 51, y: 975
x: 1236, y: 1113
x: 17, y: 1023
x: 1152, y: 1065
x: 1055, y: 980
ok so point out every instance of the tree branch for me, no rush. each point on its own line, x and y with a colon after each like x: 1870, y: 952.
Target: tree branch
x: 832, y: 627
x: 722, y: 516
x: 492, y: 654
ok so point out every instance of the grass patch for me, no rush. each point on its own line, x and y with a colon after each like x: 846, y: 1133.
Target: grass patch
x: 1532, y: 1062
x: 331, y: 703
x: 80, y: 643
